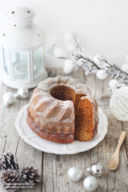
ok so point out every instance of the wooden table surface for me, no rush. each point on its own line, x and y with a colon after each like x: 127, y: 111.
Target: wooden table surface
x: 54, y: 167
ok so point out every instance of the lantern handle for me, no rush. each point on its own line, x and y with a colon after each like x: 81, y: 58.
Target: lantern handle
x: 22, y: 17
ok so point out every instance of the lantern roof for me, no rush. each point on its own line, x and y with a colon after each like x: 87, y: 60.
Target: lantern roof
x: 22, y: 33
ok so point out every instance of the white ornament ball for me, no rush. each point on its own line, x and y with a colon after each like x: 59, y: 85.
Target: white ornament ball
x: 74, y: 174
x: 58, y: 52
x: 124, y: 67
x: 101, y: 74
x: 8, y: 99
x: 97, y: 59
x: 119, y: 103
x: 68, y: 37
x: 70, y: 47
x: 90, y: 183
x: 68, y: 66
x: 22, y: 93
x: 113, y: 84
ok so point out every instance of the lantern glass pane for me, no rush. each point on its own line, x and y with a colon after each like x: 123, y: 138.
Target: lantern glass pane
x: 19, y: 61
x: 5, y: 59
x: 38, y: 62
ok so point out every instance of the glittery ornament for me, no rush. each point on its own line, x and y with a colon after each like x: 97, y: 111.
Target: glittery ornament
x: 96, y: 169
x: 119, y: 103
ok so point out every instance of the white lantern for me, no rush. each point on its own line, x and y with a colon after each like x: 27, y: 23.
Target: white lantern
x: 22, y: 50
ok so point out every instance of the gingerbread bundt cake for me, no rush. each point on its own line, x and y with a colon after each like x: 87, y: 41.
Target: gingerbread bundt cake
x: 62, y: 110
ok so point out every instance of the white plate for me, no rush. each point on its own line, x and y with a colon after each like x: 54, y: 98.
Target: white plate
x: 50, y: 147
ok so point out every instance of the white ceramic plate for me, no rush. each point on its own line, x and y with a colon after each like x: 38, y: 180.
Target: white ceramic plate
x: 50, y: 147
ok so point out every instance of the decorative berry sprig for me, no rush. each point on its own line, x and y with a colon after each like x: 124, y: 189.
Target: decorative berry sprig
x: 12, y: 179
x: 74, y: 58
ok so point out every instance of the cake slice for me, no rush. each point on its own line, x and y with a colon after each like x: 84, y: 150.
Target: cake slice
x: 86, y: 119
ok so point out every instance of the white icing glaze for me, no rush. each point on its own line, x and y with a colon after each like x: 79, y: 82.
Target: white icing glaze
x: 42, y: 100
x: 65, y: 81
x: 88, y: 97
x: 59, y: 117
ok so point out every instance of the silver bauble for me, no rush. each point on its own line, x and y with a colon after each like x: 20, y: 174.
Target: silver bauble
x: 96, y: 169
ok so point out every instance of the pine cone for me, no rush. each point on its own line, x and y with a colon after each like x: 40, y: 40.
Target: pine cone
x: 8, y: 161
x: 30, y: 175
x: 10, y: 180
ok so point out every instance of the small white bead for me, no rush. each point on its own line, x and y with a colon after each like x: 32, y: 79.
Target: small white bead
x: 58, y: 52
x: 124, y: 67
x: 22, y: 93
x: 74, y: 174
x: 68, y: 37
x: 101, y: 74
x: 68, y: 66
x: 113, y: 84
x: 97, y: 59
x: 90, y: 183
x: 8, y: 99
